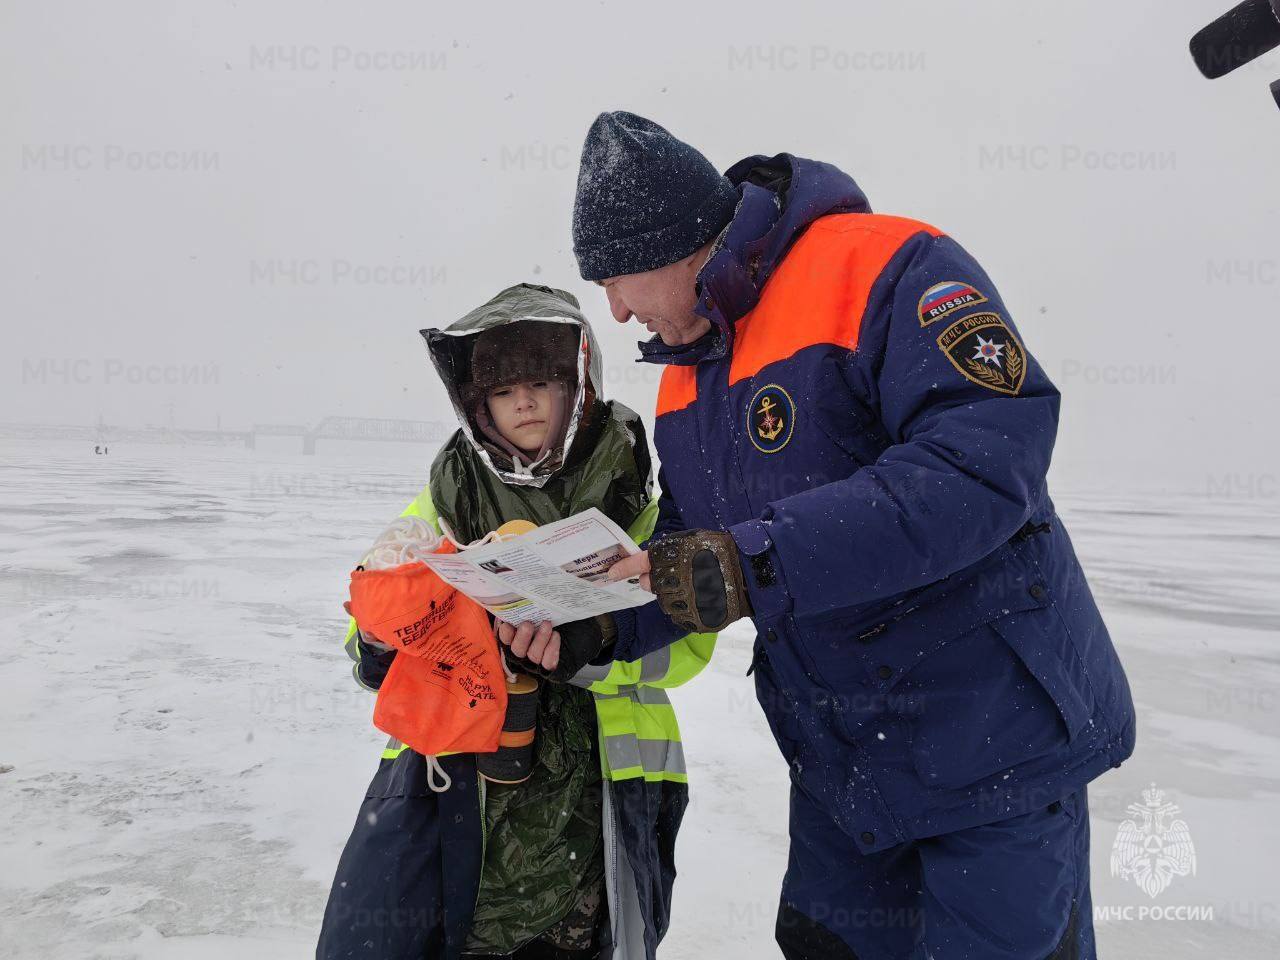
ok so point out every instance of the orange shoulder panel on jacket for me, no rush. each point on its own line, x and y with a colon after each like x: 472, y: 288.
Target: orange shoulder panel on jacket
x: 677, y: 389
x: 819, y: 292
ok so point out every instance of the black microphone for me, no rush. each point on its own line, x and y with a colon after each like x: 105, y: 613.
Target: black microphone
x: 1237, y: 37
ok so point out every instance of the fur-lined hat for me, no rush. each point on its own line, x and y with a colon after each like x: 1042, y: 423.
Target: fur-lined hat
x: 521, y: 353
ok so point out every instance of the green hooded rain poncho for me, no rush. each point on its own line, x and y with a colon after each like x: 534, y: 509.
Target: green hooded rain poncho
x: 543, y: 864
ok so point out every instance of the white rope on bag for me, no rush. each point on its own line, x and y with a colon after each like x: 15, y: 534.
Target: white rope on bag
x: 411, y: 538
x: 407, y: 539
x: 491, y: 537
x: 434, y: 769
x: 506, y: 667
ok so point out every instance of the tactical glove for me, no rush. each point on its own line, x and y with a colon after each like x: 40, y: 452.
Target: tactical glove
x: 698, y: 579
x: 581, y: 642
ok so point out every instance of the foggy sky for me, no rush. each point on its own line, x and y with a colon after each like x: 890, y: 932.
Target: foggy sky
x: 246, y: 211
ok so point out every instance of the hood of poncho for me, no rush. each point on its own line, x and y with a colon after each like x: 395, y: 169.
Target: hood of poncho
x: 452, y: 350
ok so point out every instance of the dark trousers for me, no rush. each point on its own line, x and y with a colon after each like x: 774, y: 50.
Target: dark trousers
x: 1017, y: 889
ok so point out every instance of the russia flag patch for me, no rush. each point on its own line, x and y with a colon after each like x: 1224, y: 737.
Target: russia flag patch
x: 943, y: 299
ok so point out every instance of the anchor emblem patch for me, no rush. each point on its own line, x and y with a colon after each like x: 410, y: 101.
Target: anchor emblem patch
x: 771, y: 418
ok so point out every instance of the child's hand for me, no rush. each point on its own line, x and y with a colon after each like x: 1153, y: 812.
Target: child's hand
x: 635, y: 565
x: 540, y: 644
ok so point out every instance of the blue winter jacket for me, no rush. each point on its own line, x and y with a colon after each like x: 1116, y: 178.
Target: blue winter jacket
x: 864, y: 419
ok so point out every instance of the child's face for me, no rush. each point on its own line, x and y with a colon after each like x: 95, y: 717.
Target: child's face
x: 522, y: 413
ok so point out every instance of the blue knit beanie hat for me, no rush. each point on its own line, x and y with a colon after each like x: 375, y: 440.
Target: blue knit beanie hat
x: 645, y: 199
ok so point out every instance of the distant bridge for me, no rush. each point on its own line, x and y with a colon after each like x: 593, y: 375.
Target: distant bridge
x: 330, y: 428
x: 360, y: 428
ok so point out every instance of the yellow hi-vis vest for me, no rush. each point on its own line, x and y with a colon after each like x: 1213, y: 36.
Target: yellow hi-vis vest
x: 639, y: 736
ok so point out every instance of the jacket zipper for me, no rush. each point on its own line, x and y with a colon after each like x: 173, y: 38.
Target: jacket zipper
x: 1029, y: 530
x: 615, y: 901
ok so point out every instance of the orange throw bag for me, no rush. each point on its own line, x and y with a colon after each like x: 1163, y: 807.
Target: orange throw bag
x: 449, y: 694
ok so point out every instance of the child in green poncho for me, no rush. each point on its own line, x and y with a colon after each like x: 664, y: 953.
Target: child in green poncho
x: 577, y: 860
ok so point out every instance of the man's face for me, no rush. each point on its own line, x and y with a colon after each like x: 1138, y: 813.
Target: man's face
x: 662, y: 299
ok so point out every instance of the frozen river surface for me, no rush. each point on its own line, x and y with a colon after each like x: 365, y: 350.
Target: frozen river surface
x: 182, y: 748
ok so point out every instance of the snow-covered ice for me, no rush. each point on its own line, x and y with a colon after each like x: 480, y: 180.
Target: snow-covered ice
x: 188, y: 750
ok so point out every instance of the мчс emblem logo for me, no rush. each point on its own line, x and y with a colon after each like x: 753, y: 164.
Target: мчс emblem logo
x: 1152, y: 848
x: 771, y: 418
x: 943, y: 299
x: 985, y: 350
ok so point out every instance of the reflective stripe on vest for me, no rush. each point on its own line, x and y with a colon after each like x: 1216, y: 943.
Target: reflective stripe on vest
x: 394, y: 748
x: 640, y: 735
x: 640, y: 741
x: 648, y: 669
x: 630, y: 758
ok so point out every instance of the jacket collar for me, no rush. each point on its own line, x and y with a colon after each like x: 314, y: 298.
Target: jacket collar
x: 778, y: 197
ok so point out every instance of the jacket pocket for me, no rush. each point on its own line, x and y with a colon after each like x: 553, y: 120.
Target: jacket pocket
x: 1045, y: 649
x: 866, y: 662
x: 995, y: 699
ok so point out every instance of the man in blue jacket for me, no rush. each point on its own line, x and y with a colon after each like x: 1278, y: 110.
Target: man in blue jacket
x: 854, y: 443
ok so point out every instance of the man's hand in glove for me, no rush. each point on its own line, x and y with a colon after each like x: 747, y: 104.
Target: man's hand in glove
x: 555, y: 653
x: 697, y: 576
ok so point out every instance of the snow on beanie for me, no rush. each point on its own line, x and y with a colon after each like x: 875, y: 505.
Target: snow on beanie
x: 645, y: 199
